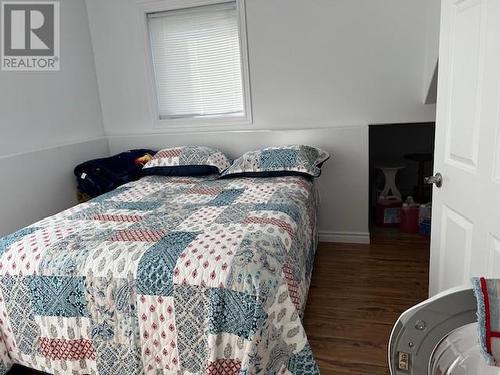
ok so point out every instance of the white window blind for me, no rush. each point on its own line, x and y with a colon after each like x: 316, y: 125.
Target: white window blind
x: 197, y: 61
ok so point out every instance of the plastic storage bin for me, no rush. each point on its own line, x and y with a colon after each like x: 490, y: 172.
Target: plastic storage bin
x: 424, y: 219
x: 387, y: 211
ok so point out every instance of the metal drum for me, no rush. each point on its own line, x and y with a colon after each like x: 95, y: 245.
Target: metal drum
x: 459, y: 354
x: 439, y: 337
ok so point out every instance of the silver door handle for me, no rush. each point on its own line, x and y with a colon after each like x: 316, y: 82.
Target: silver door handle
x: 437, y: 180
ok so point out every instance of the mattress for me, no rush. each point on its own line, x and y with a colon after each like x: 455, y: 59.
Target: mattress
x: 165, y: 275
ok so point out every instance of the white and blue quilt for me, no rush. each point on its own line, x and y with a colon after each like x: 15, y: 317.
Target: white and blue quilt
x: 165, y: 275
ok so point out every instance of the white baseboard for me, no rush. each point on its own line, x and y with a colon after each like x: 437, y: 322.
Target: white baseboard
x: 346, y: 237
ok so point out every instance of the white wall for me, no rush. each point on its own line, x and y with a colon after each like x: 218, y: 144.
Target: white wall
x: 313, y: 64
x: 41, y: 183
x: 429, y: 93
x: 40, y: 111
x: 343, y: 215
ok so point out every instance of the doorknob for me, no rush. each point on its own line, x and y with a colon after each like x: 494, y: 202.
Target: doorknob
x: 437, y: 180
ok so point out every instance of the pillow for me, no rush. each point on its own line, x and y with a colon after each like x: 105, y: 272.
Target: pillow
x: 279, y: 161
x: 186, y: 161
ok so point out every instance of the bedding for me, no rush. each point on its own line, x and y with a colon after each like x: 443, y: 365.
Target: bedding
x: 187, y: 161
x: 164, y: 275
x: 275, y: 161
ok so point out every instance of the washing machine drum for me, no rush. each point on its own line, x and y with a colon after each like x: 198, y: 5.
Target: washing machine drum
x: 439, y: 336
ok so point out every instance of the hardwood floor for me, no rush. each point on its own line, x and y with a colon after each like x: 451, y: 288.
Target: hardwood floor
x: 357, y: 293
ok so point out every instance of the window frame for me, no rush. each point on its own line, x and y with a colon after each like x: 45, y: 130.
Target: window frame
x: 152, y: 6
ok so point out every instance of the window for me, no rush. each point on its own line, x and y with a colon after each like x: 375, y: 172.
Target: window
x: 197, y: 62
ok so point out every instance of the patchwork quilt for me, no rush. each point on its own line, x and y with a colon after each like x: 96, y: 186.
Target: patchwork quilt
x: 165, y: 275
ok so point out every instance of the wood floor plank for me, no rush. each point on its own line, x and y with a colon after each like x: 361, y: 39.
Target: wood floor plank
x: 357, y: 293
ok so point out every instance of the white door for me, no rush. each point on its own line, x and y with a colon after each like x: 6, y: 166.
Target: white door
x: 465, y: 238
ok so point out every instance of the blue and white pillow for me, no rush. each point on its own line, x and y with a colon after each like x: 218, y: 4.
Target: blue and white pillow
x: 279, y: 161
x: 187, y: 161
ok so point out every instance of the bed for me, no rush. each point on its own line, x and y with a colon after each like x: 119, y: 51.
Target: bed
x: 165, y: 275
